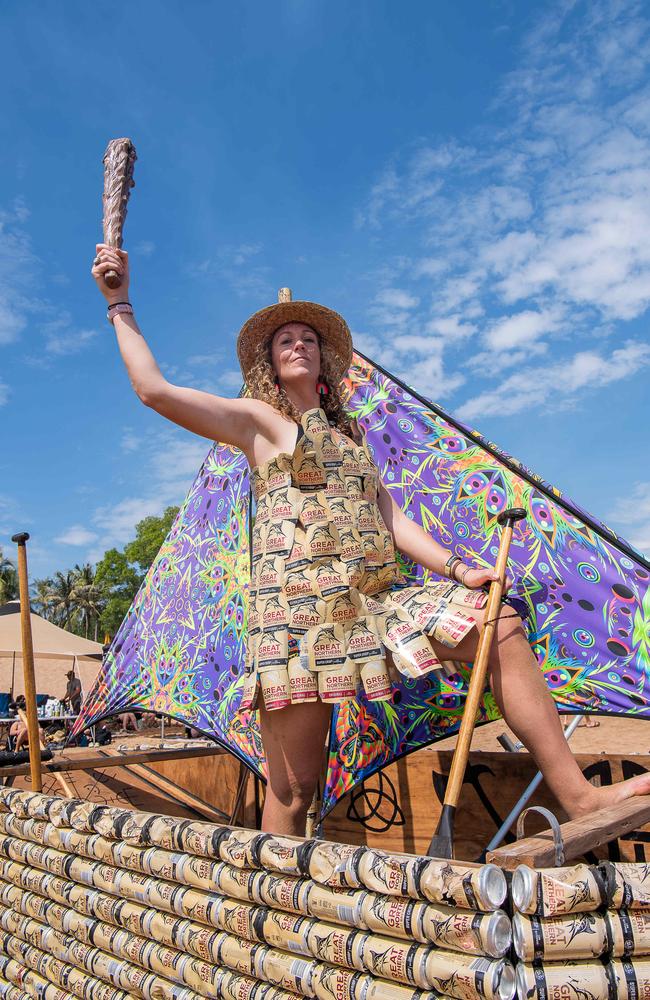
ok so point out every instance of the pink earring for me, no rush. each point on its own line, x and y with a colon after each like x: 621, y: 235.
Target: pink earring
x: 321, y: 388
x: 277, y: 385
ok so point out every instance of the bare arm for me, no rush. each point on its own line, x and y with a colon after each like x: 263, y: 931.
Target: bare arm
x: 415, y: 543
x: 239, y: 422
x: 231, y: 421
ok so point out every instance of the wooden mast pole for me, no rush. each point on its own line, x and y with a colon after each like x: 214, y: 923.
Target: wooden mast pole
x: 28, y: 664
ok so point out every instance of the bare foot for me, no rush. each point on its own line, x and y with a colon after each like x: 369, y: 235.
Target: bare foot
x: 610, y: 795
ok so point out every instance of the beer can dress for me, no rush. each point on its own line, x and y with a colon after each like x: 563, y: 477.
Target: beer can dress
x: 327, y: 599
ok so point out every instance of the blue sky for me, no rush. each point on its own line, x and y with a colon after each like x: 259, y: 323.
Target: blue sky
x: 467, y: 183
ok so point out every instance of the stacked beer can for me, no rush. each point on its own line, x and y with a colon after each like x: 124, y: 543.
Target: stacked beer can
x: 105, y: 903
x: 582, y: 931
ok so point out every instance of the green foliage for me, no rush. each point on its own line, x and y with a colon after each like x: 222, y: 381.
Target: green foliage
x: 118, y: 582
x: 149, y: 536
x: 93, y: 601
x: 8, y: 580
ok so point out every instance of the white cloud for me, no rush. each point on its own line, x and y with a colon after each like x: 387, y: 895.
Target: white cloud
x: 633, y: 515
x: 532, y: 233
x: 229, y: 382
x: 130, y: 440
x: 170, y: 459
x: 392, y: 308
x: 12, y: 322
x: 430, y: 267
x: 19, y: 270
x: 17, y: 265
x: 76, y: 535
x: 397, y: 298
x: 12, y: 518
x: 65, y: 341
x: 238, y: 266
x: 415, y: 359
x: 452, y: 328
x: 206, y: 372
x: 410, y: 184
x: 560, y: 382
x: 520, y: 329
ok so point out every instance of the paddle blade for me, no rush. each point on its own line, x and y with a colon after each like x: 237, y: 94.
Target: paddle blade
x: 442, y: 842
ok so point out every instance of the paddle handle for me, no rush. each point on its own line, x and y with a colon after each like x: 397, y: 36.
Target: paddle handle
x: 28, y: 663
x: 479, y: 670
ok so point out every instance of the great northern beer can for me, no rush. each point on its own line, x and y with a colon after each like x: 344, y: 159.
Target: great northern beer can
x: 343, y: 906
x: 628, y: 885
x: 629, y: 932
x: 467, y: 930
x: 280, y: 854
x: 555, y: 891
x: 336, y: 945
x: 393, y: 874
x: 391, y: 959
x: 471, y: 887
x: 288, y: 971
x: 384, y: 989
x: 335, y: 864
x: 632, y: 978
x: 470, y: 978
x: 558, y: 981
x: 286, y: 931
x: 234, y: 986
x: 332, y: 983
x: 237, y: 882
x: 283, y: 892
x: 241, y: 956
x: 395, y: 915
x: 572, y: 937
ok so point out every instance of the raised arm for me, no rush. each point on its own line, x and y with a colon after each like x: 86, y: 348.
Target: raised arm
x: 238, y: 422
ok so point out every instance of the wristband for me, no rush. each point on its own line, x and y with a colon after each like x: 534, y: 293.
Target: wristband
x: 116, y: 308
x: 468, y: 569
x: 450, y: 565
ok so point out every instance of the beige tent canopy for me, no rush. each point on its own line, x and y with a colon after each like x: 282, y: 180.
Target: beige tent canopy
x: 55, y: 653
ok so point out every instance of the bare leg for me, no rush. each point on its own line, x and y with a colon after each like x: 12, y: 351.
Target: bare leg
x: 527, y: 706
x: 293, y: 740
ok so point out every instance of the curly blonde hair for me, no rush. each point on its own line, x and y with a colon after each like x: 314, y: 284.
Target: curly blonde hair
x: 261, y: 384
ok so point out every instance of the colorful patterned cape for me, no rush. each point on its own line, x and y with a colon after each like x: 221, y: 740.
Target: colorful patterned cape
x: 583, y: 591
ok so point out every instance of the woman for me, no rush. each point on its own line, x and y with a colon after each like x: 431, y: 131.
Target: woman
x: 318, y: 497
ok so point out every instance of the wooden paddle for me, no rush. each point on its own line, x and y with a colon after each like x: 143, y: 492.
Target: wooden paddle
x: 442, y: 842
x: 31, y: 720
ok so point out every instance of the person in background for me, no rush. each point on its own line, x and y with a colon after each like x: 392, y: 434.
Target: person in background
x: 128, y: 721
x: 72, y: 696
x: 19, y: 737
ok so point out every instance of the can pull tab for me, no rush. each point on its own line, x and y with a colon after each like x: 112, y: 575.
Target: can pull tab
x: 555, y: 829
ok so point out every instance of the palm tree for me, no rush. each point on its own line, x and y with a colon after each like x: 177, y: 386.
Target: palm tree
x: 42, y: 597
x: 62, y: 602
x: 8, y: 580
x: 86, y: 597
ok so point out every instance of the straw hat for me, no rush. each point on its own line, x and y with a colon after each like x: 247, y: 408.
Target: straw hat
x: 331, y: 327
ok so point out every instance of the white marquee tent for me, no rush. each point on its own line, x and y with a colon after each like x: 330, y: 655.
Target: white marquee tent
x: 55, y: 653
